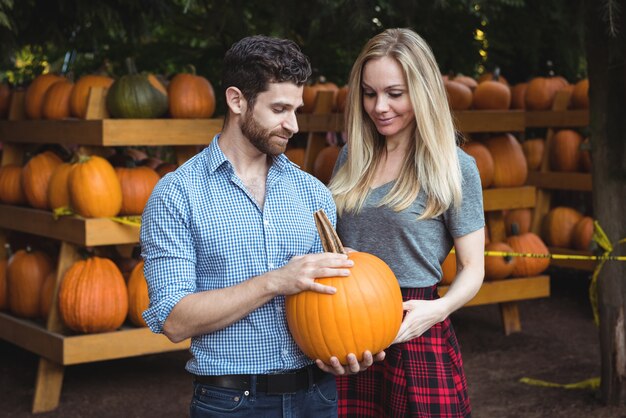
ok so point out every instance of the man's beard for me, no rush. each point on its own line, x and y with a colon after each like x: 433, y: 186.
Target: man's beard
x: 260, y: 137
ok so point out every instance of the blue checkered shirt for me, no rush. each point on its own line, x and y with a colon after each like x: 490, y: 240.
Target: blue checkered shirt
x: 202, y: 230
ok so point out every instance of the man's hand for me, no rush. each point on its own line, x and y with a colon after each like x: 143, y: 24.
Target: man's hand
x: 353, y: 366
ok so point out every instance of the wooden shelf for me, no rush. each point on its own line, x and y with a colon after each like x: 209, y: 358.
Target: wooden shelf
x: 588, y: 265
x: 560, y: 181
x: 509, y: 290
x: 112, y: 132
x: 74, y: 229
x: 557, y: 119
x: 84, y: 348
x: 509, y: 198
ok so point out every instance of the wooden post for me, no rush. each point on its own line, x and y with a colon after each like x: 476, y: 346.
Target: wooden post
x: 607, y: 97
x: 316, y: 141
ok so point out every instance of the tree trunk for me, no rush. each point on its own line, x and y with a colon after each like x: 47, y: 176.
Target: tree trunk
x: 607, y: 93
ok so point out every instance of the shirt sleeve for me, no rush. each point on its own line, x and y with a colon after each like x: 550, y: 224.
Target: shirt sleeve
x: 470, y: 216
x: 167, y: 251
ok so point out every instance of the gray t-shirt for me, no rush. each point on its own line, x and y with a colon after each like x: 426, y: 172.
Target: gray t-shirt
x: 413, y: 249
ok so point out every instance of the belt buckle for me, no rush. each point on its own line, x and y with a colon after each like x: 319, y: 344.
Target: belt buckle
x: 280, y: 384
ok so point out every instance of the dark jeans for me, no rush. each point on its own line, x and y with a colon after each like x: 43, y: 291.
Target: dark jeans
x: 318, y: 401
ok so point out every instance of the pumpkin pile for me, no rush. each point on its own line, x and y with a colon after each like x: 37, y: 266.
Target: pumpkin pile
x: 364, y: 314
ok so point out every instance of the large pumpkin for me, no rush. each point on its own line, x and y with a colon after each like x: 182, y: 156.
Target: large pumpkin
x: 26, y: 273
x: 95, y: 190
x: 498, y: 267
x: 93, y: 296
x: 509, y: 163
x: 36, y: 176
x: 364, y: 314
x: 532, y: 244
x: 11, y: 190
x: 138, y: 299
x: 190, y: 96
x: 35, y: 93
x: 136, y: 96
x: 137, y: 184
x: 565, y: 151
x: 80, y: 93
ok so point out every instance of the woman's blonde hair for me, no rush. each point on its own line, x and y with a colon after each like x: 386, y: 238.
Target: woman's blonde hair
x: 431, y: 162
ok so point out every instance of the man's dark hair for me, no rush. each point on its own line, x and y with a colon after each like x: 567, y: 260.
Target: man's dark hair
x: 255, y: 61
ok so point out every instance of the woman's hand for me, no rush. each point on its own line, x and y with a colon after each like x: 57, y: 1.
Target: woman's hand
x: 353, y: 366
x: 420, y: 316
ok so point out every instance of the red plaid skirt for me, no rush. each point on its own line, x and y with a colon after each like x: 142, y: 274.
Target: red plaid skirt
x: 419, y: 378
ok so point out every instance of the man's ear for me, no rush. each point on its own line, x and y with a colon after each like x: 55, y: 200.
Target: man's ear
x: 235, y: 100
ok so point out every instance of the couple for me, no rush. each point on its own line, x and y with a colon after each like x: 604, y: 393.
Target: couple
x: 229, y: 234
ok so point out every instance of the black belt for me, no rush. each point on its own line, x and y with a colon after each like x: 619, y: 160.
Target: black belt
x: 269, y: 383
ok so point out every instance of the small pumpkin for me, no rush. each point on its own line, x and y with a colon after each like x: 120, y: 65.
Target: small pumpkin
x: 94, y: 188
x: 325, y: 163
x: 191, y: 96
x: 80, y: 93
x: 492, y: 94
x: 518, y: 93
x: 484, y: 161
x: 558, y: 226
x: 136, y: 96
x: 364, y: 314
x: 521, y: 218
x: 26, y: 272
x: 137, y: 183
x: 509, y: 163
x: 580, y: 95
x: 468, y: 81
x: 138, y: 299
x: 35, y: 93
x: 582, y: 235
x: 93, y: 296
x: 309, y: 93
x: 533, y: 151
x: 296, y: 156
x: 565, y: 151
x: 499, y: 267
x: 58, y: 191
x: 11, y: 190
x: 342, y: 96
x: 36, y: 176
x: 56, y: 102
x: 528, y: 243
x: 541, y: 91
x: 459, y: 95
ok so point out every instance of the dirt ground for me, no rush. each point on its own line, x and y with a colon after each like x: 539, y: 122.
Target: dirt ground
x: 558, y: 343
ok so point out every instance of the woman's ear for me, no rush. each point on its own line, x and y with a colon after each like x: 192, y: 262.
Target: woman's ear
x: 235, y: 100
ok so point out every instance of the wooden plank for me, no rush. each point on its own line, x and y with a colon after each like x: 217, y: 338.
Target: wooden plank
x: 128, y: 342
x: 509, y: 312
x: 509, y: 290
x: 557, y: 118
x: 509, y: 198
x: 329, y: 122
x: 489, y: 120
x: 31, y: 336
x: 88, y: 232
x: 560, y: 181
x: 48, y: 386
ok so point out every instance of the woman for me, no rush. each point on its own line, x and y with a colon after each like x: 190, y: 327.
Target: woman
x: 406, y: 193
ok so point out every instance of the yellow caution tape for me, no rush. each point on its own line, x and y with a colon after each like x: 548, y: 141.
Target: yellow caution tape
x: 62, y: 211
x: 128, y: 220
x: 593, y: 383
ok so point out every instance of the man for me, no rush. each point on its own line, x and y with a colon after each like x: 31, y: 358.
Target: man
x: 230, y: 233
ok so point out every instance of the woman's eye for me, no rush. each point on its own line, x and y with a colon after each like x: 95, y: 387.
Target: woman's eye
x: 395, y: 94
x: 369, y: 94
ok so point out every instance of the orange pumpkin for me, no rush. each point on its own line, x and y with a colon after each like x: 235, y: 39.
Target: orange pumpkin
x: 3, y: 285
x: 364, y: 314
x: 47, y: 294
x: 533, y: 151
x: 580, y: 95
x: 93, y: 296
x: 518, y: 93
x: 448, y: 269
x: 35, y: 93
x: 165, y: 168
x: 296, y: 156
x: 137, y: 184
x: 36, y: 176
x: 58, y: 192
x: 528, y: 243
x: 80, y: 93
x: 94, y: 188
x: 342, y: 96
x: 484, y: 161
x: 325, y: 163
x: 582, y: 235
x: 11, y: 191
x: 56, y: 102
x: 468, y: 81
x: 565, y: 151
x: 517, y: 220
x: 499, y: 267
x: 492, y: 95
x: 492, y: 76
x: 459, y: 95
x: 558, y: 226
x: 509, y: 162
x: 26, y: 272
x: 138, y: 299
x: 191, y: 97
x: 540, y: 92
x: 309, y: 94
x: 5, y: 100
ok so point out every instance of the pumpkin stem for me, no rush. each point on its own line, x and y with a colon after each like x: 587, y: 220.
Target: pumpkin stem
x: 496, y: 74
x: 8, y: 251
x: 330, y: 240
x: 514, y: 229
x: 130, y: 65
